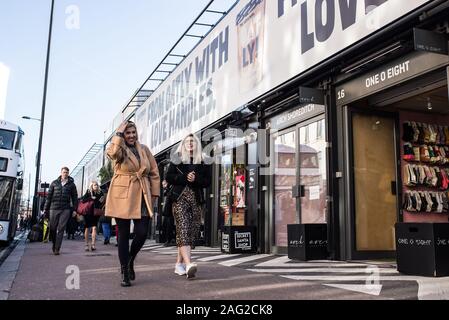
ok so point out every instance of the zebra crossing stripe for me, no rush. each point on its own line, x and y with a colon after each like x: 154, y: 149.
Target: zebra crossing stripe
x: 152, y: 246
x: 317, y: 265
x: 234, y: 262
x: 373, y: 290
x: 348, y: 278
x: 160, y: 251
x: 276, y: 262
x: 322, y: 270
x: 284, y: 261
x: 221, y: 256
x: 148, y: 248
x: 166, y: 252
x: 166, y: 249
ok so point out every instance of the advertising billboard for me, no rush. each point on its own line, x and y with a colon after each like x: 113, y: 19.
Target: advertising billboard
x: 258, y: 46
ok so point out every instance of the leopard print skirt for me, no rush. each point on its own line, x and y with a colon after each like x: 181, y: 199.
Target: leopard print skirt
x: 187, y: 213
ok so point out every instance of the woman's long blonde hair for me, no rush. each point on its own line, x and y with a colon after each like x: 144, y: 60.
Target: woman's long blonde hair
x: 197, y: 153
x: 132, y: 125
x: 91, y: 187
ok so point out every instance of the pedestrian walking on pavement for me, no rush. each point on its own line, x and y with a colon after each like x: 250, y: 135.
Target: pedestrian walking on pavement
x: 94, y: 194
x: 72, y: 225
x: 189, y: 175
x: 106, y: 228
x: 61, y: 202
x: 134, y: 188
x: 168, y: 222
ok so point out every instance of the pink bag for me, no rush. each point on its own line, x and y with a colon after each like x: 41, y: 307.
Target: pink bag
x: 85, y: 208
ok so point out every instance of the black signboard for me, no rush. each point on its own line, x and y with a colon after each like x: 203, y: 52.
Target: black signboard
x: 296, y: 115
x: 252, y: 178
x: 412, y: 65
x: 307, y: 241
x: 423, y: 248
x: 311, y: 95
x: 429, y: 41
x: 238, y: 239
x: 225, y: 242
x: 45, y: 185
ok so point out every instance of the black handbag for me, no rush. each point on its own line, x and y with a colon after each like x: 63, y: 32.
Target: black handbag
x: 172, y: 195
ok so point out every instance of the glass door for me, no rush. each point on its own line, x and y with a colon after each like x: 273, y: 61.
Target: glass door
x: 312, y: 172
x: 374, y: 174
x: 284, y: 147
x: 298, y: 156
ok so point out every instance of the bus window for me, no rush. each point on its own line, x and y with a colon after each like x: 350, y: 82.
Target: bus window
x: 7, y: 139
x: 6, y: 185
x: 18, y: 146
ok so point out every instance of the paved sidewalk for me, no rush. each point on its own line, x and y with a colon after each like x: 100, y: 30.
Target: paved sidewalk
x: 43, y: 276
x: 33, y: 272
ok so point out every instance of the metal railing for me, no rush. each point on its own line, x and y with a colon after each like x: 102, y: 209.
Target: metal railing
x: 209, y: 17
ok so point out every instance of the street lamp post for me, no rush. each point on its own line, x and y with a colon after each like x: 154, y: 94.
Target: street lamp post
x: 29, y: 194
x: 30, y: 118
x: 44, y: 100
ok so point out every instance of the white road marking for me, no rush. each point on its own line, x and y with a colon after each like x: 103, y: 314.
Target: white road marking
x: 361, y: 288
x: 234, y: 262
x: 284, y: 261
x: 322, y: 270
x: 221, y: 256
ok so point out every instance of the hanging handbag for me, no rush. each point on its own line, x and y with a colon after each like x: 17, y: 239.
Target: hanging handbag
x: 171, y: 193
x: 98, y: 212
x: 85, y: 208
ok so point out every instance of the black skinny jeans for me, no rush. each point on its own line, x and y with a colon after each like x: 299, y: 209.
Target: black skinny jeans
x: 140, y: 230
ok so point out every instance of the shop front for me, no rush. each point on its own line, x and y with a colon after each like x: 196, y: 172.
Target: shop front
x: 395, y: 124
x: 234, y: 224
x: 297, y: 173
x: 319, y: 162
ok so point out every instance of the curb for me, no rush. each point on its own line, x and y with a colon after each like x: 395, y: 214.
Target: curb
x: 9, y: 268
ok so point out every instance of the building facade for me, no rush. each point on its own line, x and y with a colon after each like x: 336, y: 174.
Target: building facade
x: 314, y: 112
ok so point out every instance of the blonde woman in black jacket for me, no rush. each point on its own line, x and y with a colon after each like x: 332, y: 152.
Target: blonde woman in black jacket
x: 94, y: 194
x: 189, y: 178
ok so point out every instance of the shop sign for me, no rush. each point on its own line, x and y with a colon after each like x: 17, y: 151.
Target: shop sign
x: 389, y: 75
x: 252, y: 178
x: 242, y: 240
x: 422, y: 248
x: 430, y: 41
x: 295, y: 116
x: 225, y: 242
x: 45, y: 185
x: 307, y: 241
x: 311, y: 95
x: 256, y: 47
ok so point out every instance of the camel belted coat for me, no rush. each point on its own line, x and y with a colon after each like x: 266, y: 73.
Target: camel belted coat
x: 131, y: 180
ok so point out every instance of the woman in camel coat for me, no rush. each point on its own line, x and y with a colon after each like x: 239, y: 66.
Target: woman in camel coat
x: 132, y: 192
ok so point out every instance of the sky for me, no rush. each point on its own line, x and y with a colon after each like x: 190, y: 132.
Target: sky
x: 96, y: 63
x: 4, y: 79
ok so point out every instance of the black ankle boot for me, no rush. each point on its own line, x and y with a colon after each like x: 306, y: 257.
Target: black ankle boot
x: 125, y: 277
x: 132, y: 274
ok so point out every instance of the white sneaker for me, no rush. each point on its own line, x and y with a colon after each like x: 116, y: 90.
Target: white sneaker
x: 180, y: 269
x: 191, y: 270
